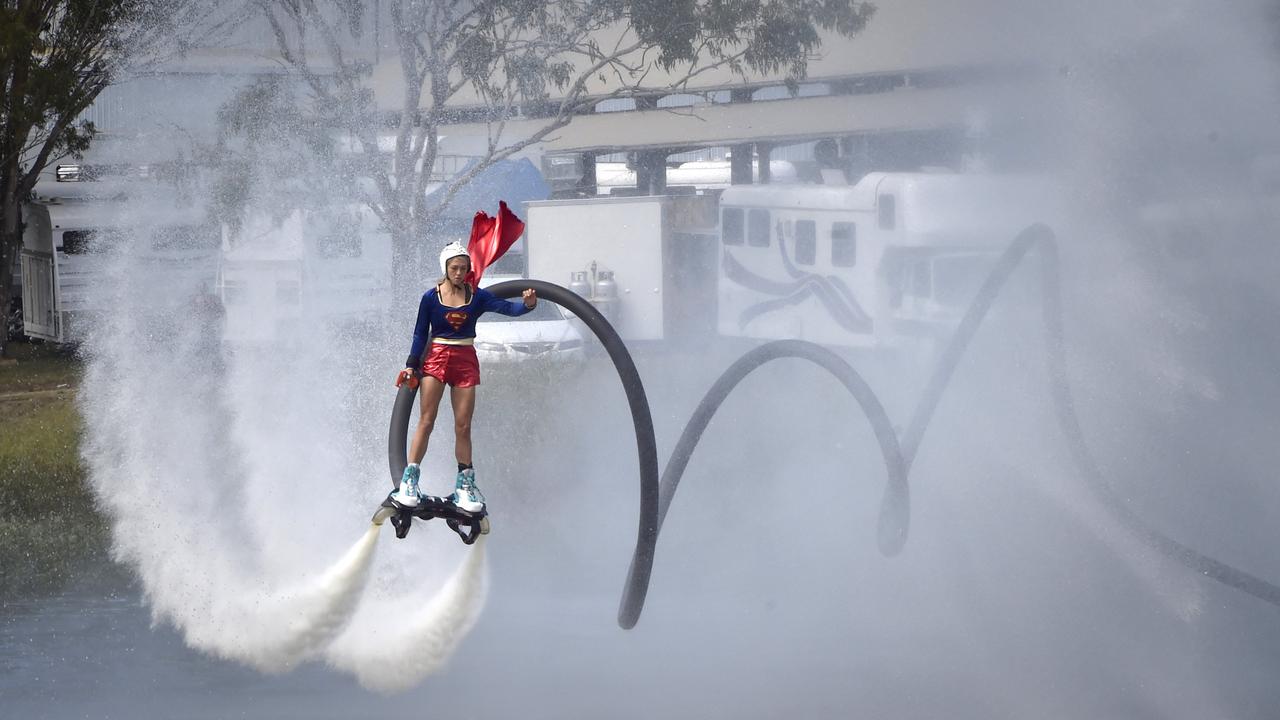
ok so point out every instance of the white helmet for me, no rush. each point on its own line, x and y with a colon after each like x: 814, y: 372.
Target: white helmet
x: 451, y: 251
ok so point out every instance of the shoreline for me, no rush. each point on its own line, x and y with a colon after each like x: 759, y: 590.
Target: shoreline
x: 43, y: 543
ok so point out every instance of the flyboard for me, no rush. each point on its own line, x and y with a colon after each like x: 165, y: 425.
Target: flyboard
x: 468, y: 525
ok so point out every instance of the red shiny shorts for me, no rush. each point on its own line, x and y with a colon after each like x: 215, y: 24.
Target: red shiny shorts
x: 454, y: 365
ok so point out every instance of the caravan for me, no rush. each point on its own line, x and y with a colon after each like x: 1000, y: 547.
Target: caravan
x: 898, y: 255
x: 73, y: 230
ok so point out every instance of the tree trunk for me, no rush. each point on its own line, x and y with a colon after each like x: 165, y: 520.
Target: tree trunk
x: 10, y: 243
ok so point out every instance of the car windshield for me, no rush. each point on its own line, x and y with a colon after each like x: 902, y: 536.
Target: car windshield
x: 544, y: 311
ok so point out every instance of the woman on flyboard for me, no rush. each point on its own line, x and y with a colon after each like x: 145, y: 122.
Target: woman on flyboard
x: 445, y: 332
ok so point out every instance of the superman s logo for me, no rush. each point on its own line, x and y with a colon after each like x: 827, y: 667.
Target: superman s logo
x: 456, y: 318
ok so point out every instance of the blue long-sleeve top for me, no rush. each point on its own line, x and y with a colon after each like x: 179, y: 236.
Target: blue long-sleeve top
x: 440, y: 323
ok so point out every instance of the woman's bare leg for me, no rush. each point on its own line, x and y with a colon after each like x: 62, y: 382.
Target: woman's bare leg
x: 464, y: 404
x: 431, y: 391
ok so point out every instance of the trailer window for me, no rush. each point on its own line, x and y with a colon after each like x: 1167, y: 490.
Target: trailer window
x: 84, y: 242
x: 844, y: 244
x: 758, y: 228
x: 806, y: 242
x: 731, y: 226
x: 956, y: 279
x: 888, y: 208
x: 77, y: 242
x: 187, y: 237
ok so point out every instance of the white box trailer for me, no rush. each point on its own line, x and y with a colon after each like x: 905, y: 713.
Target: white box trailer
x: 325, y: 266
x: 898, y: 255
x: 71, y: 230
x: 647, y: 262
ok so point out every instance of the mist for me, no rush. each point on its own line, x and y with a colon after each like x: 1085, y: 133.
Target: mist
x: 1020, y: 591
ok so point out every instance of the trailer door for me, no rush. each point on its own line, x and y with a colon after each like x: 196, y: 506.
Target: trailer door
x: 39, y: 296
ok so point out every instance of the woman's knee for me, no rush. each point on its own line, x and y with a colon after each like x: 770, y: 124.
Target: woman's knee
x: 462, y: 427
x: 426, y: 424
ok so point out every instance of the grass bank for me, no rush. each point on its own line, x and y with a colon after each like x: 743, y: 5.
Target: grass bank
x: 49, y: 527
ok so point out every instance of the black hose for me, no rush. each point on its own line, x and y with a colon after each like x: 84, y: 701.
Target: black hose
x: 967, y: 328
x: 899, y: 457
x: 1069, y: 422
x: 397, y: 438
x: 895, y: 514
x: 1042, y: 238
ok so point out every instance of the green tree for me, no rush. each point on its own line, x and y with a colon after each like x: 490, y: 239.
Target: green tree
x: 539, y: 61
x: 56, y: 56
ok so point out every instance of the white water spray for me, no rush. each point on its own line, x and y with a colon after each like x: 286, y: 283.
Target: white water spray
x: 233, y: 483
x: 413, y: 640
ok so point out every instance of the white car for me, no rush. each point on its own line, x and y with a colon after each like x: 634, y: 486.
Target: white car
x: 543, y: 335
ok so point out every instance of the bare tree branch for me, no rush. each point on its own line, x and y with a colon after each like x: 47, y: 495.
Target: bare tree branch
x: 553, y: 60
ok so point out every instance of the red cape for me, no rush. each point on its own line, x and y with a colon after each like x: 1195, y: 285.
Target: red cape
x: 490, y: 239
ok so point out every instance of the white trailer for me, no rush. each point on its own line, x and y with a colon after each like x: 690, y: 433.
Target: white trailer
x: 71, y: 231
x: 648, y: 262
x: 897, y: 255
x: 325, y: 266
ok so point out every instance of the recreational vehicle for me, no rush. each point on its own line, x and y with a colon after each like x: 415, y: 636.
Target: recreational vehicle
x: 74, y: 230
x: 325, y: 266
x: 897, y: 255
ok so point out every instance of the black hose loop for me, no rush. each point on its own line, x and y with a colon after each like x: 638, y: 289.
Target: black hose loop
x: 1042, y: 239
x: 899, y: 457
x: 964, y: 332
x: 646, y: 447
x: 1087, y: 465
x: 397, y: 438
x: 895, y: 513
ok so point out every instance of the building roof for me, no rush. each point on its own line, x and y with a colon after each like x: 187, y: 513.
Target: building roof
x: 781, y: 121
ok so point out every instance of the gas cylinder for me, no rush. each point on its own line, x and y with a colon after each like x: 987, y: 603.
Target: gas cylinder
x: 605, y: 297
x: 578, y: 283
x: 606, y: 288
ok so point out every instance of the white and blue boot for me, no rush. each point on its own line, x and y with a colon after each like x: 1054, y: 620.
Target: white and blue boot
x: 466, y: 495
x: 408, y: 495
